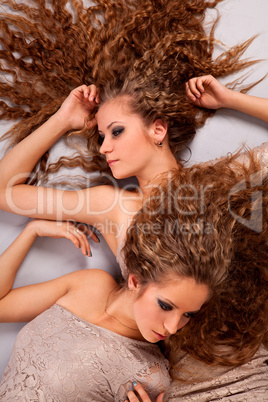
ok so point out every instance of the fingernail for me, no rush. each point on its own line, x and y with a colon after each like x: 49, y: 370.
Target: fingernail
x: 134, y: 383
x: 90, y: 253
x: 97, y: 238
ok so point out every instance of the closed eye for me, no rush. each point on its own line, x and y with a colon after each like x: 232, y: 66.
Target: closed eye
x: 189, y: 315
x: 164, y: 306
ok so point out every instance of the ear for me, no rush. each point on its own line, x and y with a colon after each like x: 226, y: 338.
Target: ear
x: 133, y: 282
x: 159, y: 130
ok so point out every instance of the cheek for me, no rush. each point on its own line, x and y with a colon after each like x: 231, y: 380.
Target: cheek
x: 145, y: 311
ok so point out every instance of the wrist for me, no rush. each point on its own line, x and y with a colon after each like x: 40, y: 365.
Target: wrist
x: 32, y: 229
x: 231, y: 99
x: 61, y: 123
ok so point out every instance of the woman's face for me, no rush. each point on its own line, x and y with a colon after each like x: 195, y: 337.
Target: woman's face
x: 127, y: 144
x: 162, y: 310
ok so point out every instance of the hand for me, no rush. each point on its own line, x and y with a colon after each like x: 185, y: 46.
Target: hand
x: 78, y: 106
x: 142, y: 394
x: 207, y: 92
x: 68, y: 230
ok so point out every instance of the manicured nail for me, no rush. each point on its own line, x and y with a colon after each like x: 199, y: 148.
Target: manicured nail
x: 134, y: 383
x: 97, y: 238
x: 90, y: 253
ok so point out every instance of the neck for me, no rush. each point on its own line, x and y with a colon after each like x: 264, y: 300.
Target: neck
x: 163, y: 163
x: 119, y: 308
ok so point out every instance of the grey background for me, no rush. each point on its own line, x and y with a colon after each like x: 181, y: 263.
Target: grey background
x: 225, y: 132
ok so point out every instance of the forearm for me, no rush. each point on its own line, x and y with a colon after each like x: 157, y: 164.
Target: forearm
x: 12, y: 258
x: 251, y: 105
x: 20, y: 161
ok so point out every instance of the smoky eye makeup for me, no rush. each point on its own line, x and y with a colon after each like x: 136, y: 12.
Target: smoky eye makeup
x: 167, y: 307
x: 116, y: 131
x: 189, y: 315
x: 164, y: 306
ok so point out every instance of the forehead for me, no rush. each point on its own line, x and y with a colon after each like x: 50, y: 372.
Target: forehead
x: 117, y: 110
x: 118, y: 105
x: 184, y: 293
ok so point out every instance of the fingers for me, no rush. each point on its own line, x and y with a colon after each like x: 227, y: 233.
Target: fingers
x: 94, y: 93
x: 90, y: 93
x: 79, y: 238
x: 193, y: 91
x: 77, y: 233
x: 196, y: 86
x: 88, y: 232
x: 132, y: 397
x: 160, y: 397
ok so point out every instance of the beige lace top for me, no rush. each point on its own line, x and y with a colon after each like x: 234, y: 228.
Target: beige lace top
x: 60, y: 357
x: 246, y: 383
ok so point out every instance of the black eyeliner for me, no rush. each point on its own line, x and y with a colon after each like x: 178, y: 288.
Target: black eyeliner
x: 164, y: 306
x: 117, y: 131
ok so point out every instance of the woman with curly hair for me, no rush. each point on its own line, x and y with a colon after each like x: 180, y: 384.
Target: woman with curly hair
x: 144, y: 119
x: 234, y: 338
x: 88, y: 337
x: 183, y: 267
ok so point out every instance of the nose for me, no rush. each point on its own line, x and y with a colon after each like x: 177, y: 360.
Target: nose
x: 106, y: 146
x: 172, y: 324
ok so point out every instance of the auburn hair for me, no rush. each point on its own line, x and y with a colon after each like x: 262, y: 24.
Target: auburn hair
x: 209, y: 223
x: 145, y: 49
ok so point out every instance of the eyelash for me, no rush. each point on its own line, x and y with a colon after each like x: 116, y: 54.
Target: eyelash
x: 167, y: 307
x: 117, y: 131
x: 189, y: 315
x: 164, y: 306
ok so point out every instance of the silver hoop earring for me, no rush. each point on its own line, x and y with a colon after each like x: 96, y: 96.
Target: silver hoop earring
x: 160, y: 144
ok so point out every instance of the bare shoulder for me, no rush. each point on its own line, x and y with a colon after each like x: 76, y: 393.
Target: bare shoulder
x: 130, y: 201
x: 87, y: 293
x: 93, y: 278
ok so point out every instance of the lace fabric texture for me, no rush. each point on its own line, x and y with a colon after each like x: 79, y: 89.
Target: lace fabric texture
x: 60, y: 357
x: 262, y: 153
x: 245, y: 383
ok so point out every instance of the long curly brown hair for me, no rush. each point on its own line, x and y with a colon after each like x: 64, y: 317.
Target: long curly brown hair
x: 147, y: 49
x: 209, y: 223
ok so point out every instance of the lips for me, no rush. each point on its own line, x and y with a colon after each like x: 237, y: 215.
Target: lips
x: 159, y: 336
x: 112, y: 162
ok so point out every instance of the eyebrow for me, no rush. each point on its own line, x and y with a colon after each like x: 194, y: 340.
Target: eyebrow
x: 113, y: 123
x: 174, y: 305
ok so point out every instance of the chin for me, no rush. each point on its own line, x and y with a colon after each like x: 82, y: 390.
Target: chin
x: 118, y: 176
x: 150, y: 338
x: 121, y: 176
